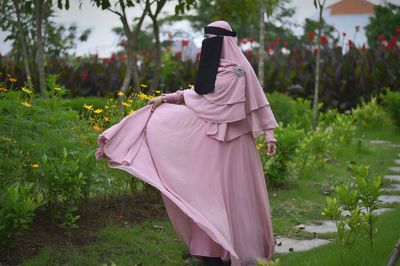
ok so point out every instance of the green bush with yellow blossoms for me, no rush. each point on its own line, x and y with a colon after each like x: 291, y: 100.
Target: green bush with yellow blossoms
x: 47, y: 160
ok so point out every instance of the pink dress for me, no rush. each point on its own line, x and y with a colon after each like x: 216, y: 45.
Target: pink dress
x: 214, y: 192
x: 202, y: 157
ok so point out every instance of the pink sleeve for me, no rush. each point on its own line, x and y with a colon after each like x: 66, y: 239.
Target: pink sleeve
x: 269, y: 136
x: 174, y: 97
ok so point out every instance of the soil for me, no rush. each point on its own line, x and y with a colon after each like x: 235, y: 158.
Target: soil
x: 94, y: 214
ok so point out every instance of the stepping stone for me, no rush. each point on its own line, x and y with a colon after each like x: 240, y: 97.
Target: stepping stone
x: 377, y: 211
x: 285, y: 245
x: 395, y: 169
x: 379, y: 141
x: 321, y: 227
x: 393, y: 187
x: 397, y: 161
x: 395, y: 145
x: 392, y: 177
x: 389, y: 198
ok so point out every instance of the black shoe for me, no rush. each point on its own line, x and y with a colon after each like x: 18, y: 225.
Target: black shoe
x: 213, y: 261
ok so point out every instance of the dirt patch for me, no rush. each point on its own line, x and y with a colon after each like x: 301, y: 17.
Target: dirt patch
x: 94, y: 215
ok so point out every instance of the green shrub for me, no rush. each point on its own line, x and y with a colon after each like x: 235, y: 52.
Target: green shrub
x: 279, y: 168
x: 391, y: 102
x: 371, y: 115
x: 17, y: 206
x: 288, y: 110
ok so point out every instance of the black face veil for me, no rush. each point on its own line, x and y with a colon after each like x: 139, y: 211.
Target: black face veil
x: 209, y: 59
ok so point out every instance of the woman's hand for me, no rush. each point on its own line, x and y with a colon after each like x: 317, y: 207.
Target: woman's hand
x: 270, y: 148
x: 157, y: 101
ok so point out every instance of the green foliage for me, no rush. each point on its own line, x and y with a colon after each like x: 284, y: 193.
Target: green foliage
x: 17, y: 205
x: 385, y: 21
x: 391, y: 102
x: 359, y: 197
x: 371, y: 115
x: 261, y: 262
x: 288, y: 110
x: 279, y: 167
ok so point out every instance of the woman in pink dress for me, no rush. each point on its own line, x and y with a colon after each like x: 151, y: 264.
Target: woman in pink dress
x: 197, y: 147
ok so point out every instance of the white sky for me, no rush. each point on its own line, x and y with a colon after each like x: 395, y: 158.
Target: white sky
x: 104, y: 41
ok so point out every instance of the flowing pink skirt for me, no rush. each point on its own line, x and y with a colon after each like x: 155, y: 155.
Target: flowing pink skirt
x: 214, y: 192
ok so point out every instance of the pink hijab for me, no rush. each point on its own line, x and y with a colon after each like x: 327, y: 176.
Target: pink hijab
x: 238, y: 104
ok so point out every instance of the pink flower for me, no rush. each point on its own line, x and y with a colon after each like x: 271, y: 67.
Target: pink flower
x: 244, y: 41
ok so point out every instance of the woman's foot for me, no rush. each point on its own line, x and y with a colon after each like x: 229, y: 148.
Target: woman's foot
x: 213, y: 261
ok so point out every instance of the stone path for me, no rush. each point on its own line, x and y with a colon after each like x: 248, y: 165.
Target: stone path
x: 284, y: 245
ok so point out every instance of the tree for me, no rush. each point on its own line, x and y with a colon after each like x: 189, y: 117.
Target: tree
x: 320, y: 6
x: 384, y: 24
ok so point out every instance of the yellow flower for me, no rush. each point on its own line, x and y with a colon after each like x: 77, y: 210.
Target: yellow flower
x: 8, y: 75
x: 130, y: 101
x: 26, y: 104
x: 106, y: 118
x: 106, y: 107
x: 88, y: 107
x: 143, y: 85
x: 191, y: 86
x: 131, y: 111
x: 111, y: 99
x: 3, y: 89
x: 98, y: 111
x: 26, y: 90
x: 157, y: 91
x: 259, y: 146
x: 120, y: 93
x: 35, y: 165
x: 57, y: 89
x: 97, y: 128
x: 13, y: 80
x: 125, y: 103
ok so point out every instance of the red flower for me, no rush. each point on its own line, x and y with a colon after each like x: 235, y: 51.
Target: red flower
x: 244, y: 41
x: 350, y: 43
x: 398, y: 30
x: 311, y: 36
x: 249, y: 53
x: 251, y: 39
x: 388, y: 46
x: 315, y: 51
x: 323, y: 40
x: 381, y: 38
x: 285, y: 44
x: 112, y: 57
x: 278, y: 40
x: 122, y: 57
x: 393, y: 40
x: 106, y: 60
x: 185, y: 42
x: 122, y: 43
x: 84, y: 76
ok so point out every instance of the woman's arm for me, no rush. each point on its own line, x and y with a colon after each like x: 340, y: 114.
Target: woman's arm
x: 269, y: 136
x: 174, y: 97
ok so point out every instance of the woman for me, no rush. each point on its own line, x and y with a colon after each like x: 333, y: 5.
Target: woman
x: 198, y: 149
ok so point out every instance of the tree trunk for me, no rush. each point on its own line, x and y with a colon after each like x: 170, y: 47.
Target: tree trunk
x: 24, y: 46
x: 39, y: 10
x: 156, y: 74
x: 317, y: 70
x: 261, y: 51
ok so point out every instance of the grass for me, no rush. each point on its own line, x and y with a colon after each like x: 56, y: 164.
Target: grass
x: 361, y: 254
x: 147, y: 244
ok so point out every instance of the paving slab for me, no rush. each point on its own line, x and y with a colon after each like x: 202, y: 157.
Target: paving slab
x: 377, y: 211
x: 379, y: 141
x: 392, y: 177
x: 395, y: 145
x: 285, y: 245
x: 321, y: 227
x: 397, y: 161
x: 391, y: 188
x: 389, y: 198
x: 395, y: 169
